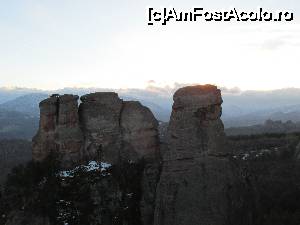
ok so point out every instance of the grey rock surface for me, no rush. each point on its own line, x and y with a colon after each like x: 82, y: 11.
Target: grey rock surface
x: 100, y: 121
x: 195, y: 127
x: 197, y: 178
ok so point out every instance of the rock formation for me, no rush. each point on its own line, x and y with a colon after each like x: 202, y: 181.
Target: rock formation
x: 103, y: 128
x: 197, y: 180
x: 59, y: 130
x: 195, y: 127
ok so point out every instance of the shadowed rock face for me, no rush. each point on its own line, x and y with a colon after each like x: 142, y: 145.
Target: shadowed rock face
x: 140, y: 141
x: 197, y: 181
x: 100, y: 121
x: 139, y: 136
x: 103, y: 128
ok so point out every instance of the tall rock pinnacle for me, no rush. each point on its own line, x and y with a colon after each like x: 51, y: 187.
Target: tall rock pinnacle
x: 59, y: 130
x: 197, y: 178
x: 195, y: 127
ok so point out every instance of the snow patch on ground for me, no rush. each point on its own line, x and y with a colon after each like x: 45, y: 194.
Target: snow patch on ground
x: 245, y: 157
x: 91, y: 166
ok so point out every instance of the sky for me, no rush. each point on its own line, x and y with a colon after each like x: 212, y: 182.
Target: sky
x: 51, y: 44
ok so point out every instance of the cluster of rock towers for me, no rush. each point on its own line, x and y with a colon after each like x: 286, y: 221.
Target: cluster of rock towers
x: 185, y: 185
x: 103, y: 127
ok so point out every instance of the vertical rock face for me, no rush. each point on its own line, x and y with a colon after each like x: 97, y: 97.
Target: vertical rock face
x: 197, y: 181
x: 43, y: 142
x: 139, y: 131
x: 100, y: 121
x: 69, y: 135
x: 59, y: 129
x: 140, y: 141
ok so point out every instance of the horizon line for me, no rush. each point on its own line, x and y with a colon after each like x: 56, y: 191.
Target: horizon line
x: 235, y: 89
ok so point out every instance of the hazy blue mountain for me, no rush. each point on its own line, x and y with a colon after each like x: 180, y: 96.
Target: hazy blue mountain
x: 28, y: 103
x: 7, y: 94
x: 254, y: 101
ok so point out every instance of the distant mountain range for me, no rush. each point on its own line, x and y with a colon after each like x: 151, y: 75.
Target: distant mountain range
x: 254, y: 107
x: 19, y: 110
x: 28, y: 104
x: 269, y: 126
x: 283, y: 113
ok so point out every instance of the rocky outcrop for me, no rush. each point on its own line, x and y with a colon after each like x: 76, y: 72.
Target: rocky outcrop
x: 198, y: 181
x: 195, y: 127
x: 59, y: 130
x: 104, y: 128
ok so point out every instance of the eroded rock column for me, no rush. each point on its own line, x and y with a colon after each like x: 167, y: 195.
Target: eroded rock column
x: 198, y: 180
x: 59, y: 130
x: 195, y: 127
x: 44, y: 140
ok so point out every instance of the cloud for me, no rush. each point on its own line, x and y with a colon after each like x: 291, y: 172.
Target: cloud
x: 234, y: 90
x: 272, y: 44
